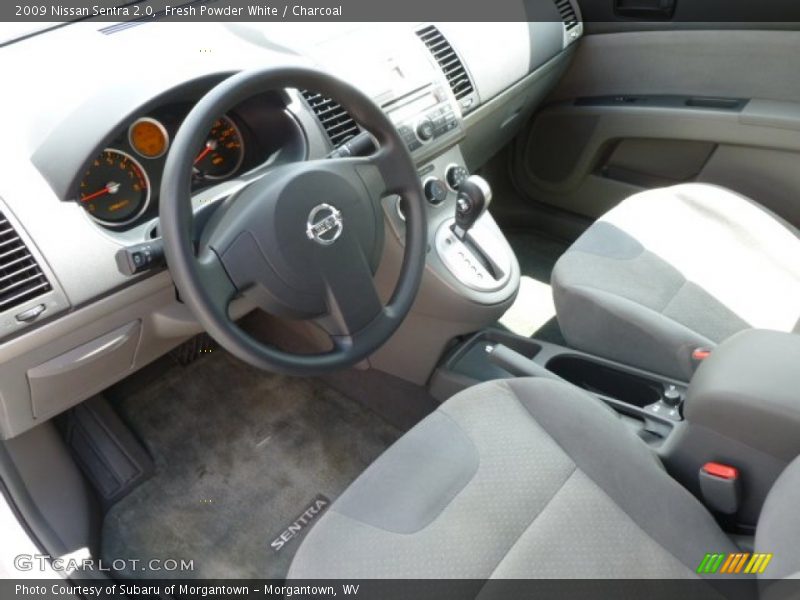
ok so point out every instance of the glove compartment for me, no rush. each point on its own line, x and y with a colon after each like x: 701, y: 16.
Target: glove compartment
x: 69, y: 377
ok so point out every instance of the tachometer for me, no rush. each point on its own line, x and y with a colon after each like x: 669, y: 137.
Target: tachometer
x: 223, y: 152
x: 115, y: 189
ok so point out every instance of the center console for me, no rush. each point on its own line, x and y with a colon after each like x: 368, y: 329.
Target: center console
x: 726, y: 435
x: 472, y: 275
x: 468, y: 249
x: 650, y: 403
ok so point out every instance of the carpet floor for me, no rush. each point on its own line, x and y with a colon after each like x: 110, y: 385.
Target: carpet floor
x: 239, y: 455
x: 533, y: 313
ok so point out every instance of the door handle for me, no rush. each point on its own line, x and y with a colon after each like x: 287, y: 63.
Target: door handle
x: 645, y: 9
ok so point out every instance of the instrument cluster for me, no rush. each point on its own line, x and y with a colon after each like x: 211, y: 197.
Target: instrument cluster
x: 119, y: 184
x: 119, y: 187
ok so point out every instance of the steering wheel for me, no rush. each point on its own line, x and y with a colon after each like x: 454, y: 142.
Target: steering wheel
x: 303, y: 241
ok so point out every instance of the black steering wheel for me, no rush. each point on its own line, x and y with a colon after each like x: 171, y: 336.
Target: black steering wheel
x: 304, y: 240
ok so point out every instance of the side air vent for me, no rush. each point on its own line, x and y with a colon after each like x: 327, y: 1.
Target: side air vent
x: 21, y: 279
x: 567, y: 12
x: 448, y: 60
x: 339, y: 125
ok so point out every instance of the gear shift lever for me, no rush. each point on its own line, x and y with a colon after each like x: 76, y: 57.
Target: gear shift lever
x: 474, y: 196
x: 472, y: 248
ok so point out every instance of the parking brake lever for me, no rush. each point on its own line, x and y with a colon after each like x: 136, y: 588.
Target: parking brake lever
x: 517, y: 364
x: 521, y: 366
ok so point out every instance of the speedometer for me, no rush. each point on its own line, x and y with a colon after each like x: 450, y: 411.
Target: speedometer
x: 115, y: 189
x: 223, y: 153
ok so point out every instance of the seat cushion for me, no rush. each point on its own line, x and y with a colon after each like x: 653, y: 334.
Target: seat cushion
x: 672, y: 269
x: 513, y: 479
x: 778, y: 528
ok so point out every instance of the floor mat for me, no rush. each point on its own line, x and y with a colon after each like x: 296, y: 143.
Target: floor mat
x: 533, y: 313
x: 239, y: 456
x: 537, y: 253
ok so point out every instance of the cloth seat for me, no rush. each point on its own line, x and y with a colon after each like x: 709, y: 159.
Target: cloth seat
x: 513, y: 479
x: 673, y: 269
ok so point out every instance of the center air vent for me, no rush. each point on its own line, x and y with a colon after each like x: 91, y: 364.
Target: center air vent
x: 339, y: 125
x: 567, y: 12
x: 448, y: 60
x: 21, y: 279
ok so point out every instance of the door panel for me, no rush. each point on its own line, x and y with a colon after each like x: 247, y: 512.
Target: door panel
x: 651, y: 163
x: 727, y: 63
x: 652, y: 108
x: 771, y: 177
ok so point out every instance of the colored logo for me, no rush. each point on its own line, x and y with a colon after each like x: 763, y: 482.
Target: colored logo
x: 737, y: 562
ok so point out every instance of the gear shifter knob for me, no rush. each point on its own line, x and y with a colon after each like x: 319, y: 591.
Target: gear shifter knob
x: 474, y: 196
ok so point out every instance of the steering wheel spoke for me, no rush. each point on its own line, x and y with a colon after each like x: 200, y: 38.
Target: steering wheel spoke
x: 380, y: 174
x: 395, y: 181
x: 368, y: 170
x: 215, y: 280
x: 350, y: 294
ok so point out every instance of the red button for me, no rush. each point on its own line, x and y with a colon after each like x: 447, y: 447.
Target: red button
x: 701, y: 354
x: 721, y: 471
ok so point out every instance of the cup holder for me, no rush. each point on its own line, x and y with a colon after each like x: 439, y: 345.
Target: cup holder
x: 605, y: 380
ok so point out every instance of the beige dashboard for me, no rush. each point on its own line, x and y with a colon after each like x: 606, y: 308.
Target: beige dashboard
x: 98, y: 324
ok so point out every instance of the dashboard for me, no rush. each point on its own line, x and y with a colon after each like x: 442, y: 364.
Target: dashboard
x: 81, y: 183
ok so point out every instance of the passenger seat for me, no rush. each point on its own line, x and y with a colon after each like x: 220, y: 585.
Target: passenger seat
x: 670, y: 270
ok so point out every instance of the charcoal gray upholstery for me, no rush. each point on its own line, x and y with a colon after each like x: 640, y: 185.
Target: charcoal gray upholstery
x: 778, y: 531
x: 513, y: 479
x: 672, y: 269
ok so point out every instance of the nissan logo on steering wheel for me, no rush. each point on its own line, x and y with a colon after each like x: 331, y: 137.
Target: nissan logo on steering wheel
x: 324, y: 224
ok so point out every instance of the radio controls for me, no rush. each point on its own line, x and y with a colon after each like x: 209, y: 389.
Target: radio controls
x: 435, y: 190
x: 425, y: 129
x: 455, y: 175
x: 422, y: 126
x: 409, y: 137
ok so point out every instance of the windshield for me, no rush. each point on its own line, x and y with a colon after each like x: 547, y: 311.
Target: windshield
x: 14, y: 31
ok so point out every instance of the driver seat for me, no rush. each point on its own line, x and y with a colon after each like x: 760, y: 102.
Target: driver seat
x: 520, y: 478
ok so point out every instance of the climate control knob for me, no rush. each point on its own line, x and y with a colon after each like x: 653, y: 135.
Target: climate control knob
x: 435, y: 190
x: 425, y: 130
x: 455, y: 175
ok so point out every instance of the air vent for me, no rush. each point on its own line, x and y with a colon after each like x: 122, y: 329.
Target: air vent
x: 21, y: 279
x: 339, y: 125
x: 448, y: 60
x: 567, y: 12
